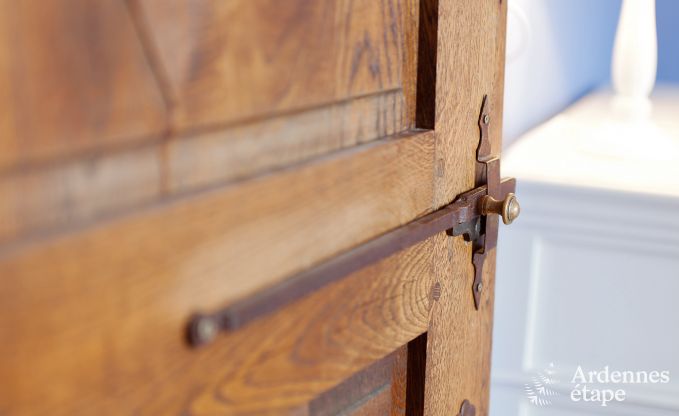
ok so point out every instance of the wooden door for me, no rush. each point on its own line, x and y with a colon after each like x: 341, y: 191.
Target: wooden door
x: 161, y: 159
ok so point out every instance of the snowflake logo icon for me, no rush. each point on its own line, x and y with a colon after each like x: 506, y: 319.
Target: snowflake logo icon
x: 540, y: 391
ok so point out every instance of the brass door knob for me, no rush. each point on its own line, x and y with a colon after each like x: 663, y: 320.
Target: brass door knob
x: 508, y: 209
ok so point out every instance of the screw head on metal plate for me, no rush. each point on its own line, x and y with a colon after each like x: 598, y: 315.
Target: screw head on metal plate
x: 467, y: 409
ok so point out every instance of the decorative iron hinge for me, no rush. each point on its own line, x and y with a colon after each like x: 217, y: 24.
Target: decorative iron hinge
x: 482, y: 230
x: 467, y: 215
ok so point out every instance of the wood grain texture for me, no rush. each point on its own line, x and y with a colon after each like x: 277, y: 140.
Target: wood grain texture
x: 248, y: 149
x: 376, y: 390
x: 108, y: 299
x: 216, y: 240
x: 410, y: 10
x: 239, y: 59
x: 266, y: 96
x: 73, y: 78
x: 470, y: 64
x: 59, y: 126
x: 378, y: 403
x: 459, y: 337
x: 57, y: 196
x: 119, y: 353
x: 399, y: 381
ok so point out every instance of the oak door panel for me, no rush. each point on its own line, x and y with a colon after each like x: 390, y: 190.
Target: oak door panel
x: 470, y: 53
x: 104, y: 291
x: 208, y: 244
x: 73, y: 78
x: 96, y: 313
x: 233, y: 60
x: 379, y: 389
x: 85, y: 78
x: 56, y: 196
x: 132, y: 357
x: 247, y: 149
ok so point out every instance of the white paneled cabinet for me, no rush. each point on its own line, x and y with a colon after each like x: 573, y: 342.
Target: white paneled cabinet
x: 589, y: 274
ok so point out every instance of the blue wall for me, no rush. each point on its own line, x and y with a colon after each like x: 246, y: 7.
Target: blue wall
x: 667, y: 12
x: 568, y: 54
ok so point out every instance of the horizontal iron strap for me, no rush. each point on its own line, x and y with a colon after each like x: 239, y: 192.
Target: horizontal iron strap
x: 275, y: 297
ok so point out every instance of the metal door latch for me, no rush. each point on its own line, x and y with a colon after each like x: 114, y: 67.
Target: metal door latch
x: 482, y: 230
x: 469, y: 215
